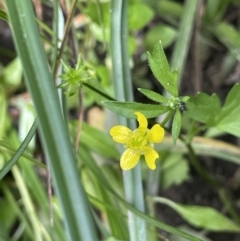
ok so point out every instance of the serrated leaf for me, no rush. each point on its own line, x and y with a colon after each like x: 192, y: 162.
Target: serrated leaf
x: 202, y: 217
x: 153, y: 95
x: 127, y: 109
x: 174, y: 170
x: 228, y: 119
x: 161, y: 70
x: 176, y: 125
x: 203, y: 108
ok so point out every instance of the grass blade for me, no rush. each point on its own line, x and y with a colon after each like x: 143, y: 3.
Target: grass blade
x: 53, y: 131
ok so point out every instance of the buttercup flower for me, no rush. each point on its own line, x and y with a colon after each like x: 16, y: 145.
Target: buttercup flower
x: 138, y: 142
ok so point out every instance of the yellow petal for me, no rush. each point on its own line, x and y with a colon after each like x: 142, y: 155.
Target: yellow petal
x: 142, y: 120
x: 120, y: 134
x: 129, y: 159
x: 156, y: 134
x: 150, y: 156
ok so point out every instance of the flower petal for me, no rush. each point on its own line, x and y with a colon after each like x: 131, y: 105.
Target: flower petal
x: 129, y: 159
x: 121, y: 134
x: 150, y: 156
x: 142, y: 120
x: 156, y: 134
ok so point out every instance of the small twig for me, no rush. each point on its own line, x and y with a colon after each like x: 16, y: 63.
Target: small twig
x: 67, y: 27
x: 80, y: 120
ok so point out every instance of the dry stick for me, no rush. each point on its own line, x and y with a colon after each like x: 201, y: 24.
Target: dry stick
x: 196, y: 58
x: 67, y: 27
x: 80, y: 120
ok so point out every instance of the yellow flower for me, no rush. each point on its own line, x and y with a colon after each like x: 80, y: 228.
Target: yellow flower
x: 138, y: 142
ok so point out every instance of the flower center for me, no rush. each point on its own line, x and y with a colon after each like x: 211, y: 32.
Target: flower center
x: 138, y: 141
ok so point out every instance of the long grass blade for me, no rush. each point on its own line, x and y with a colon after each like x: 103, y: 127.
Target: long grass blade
x: 53, y: 132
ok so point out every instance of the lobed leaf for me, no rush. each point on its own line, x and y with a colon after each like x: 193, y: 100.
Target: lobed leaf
x: 203, y: 108
x: 228, y: 119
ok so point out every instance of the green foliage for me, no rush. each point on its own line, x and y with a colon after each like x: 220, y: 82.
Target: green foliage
x: 203, y: 108
x: 229, y: 36
x: 175, y: 170
x: 202, y: 217
x: 115, y: 198
x: 12, y: 74
x: 136, y: 10
x: 97, y: 141
x: 176, y: 125
x: 228, y: 119
x: 166, y: 33
x: 127, y: 109
x: 207, y: 109
x: 3, y: 15
x: 153, y: 95
x: 74, y: 77
x: 161, y: 70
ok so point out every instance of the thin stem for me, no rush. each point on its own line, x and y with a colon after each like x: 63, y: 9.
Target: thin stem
x: 167, y: 118
x: 123, y: 91
x: 104, y: 95
x: 67, y: 27
x: 80, y: 120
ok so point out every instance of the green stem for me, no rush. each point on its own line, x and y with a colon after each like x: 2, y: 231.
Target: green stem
x: 104, y: 95
x: 181, y: 47
x: 67, y: 27
x: 123, y: 91
x: 167, y: 118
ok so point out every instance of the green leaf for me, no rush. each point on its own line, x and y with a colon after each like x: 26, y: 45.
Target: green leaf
x: 228, y: 119
x: 166, y: 33
x: 161, y: 70
x: 153, y: 95
x: 203, y: 108
x: 138, y: 9
x: 201, y: 217
x: 175, y: 170
x: 229, y: 36
x: 3, y: 15
x: 127, y: 109
x: 13, y: 73
x: 98, y: 12
x: 176, y: 125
